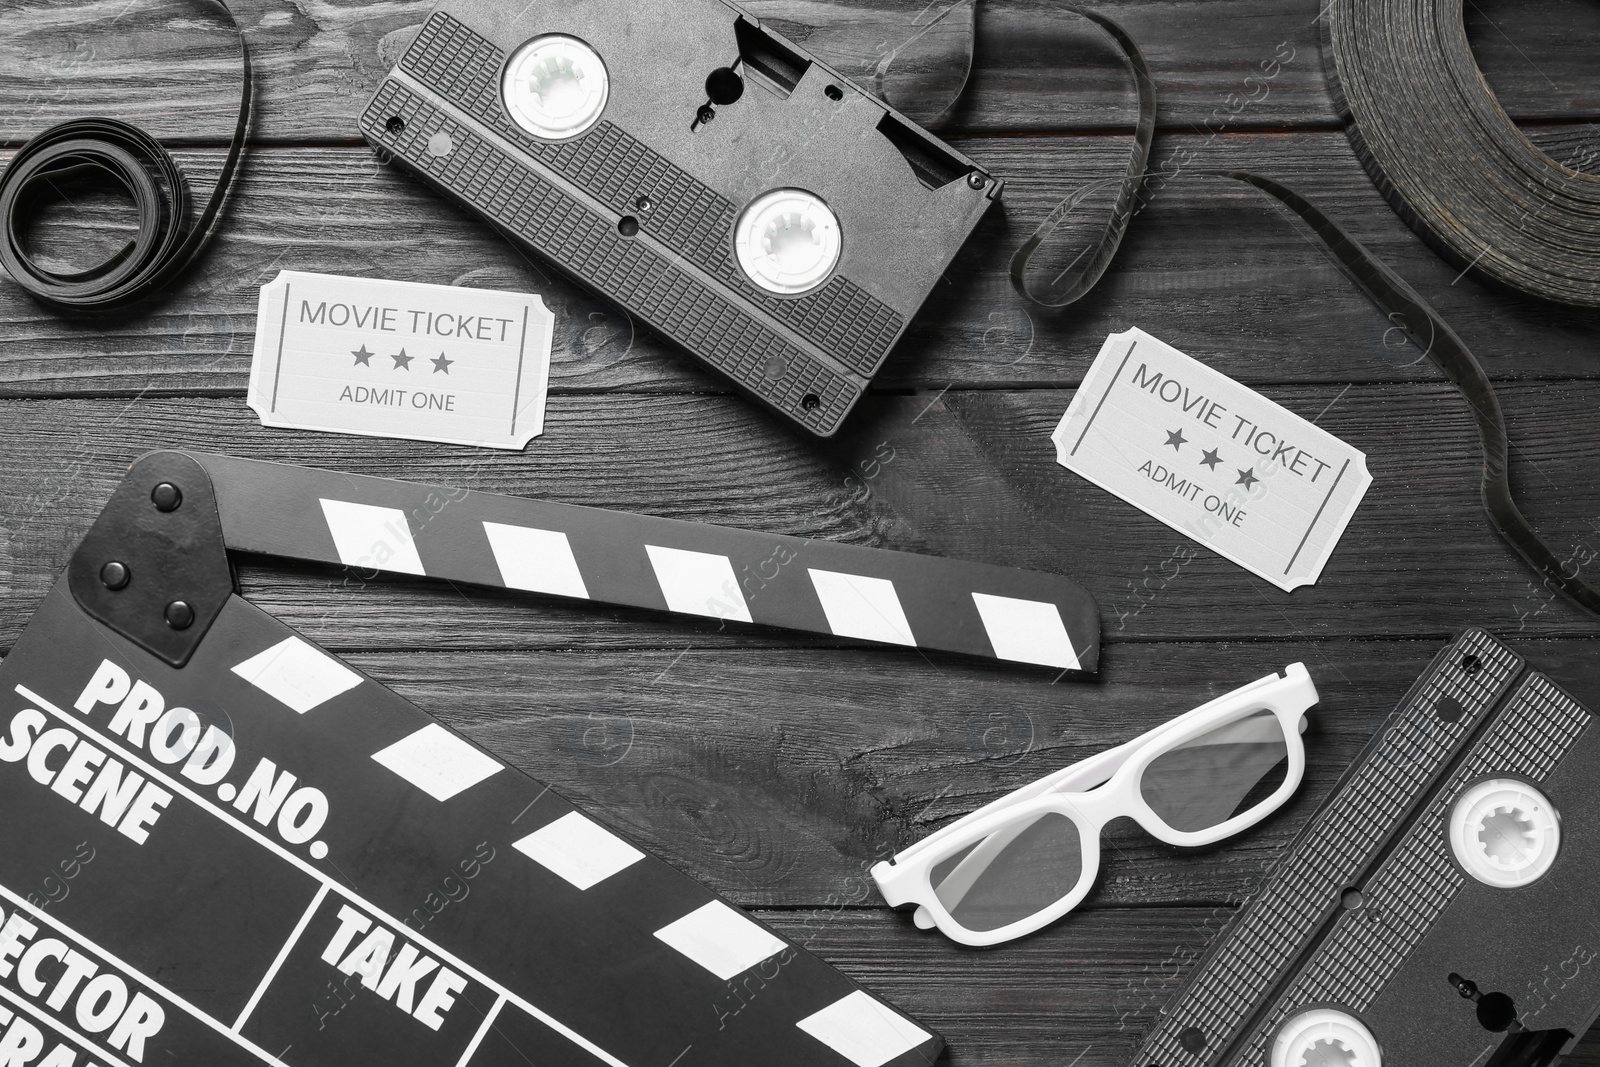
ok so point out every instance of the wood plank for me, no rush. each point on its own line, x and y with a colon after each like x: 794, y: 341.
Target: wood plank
x: 973, y: 476
x: 778, y: 768
x: 170, y: 66
x: 1080, y: 995
x: 1211, y: 266
x: 781, y: 776
x: 778, y: 777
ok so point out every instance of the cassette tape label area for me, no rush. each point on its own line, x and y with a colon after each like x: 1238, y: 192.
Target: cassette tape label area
x: 734, y: 193
x: 1439, y: 909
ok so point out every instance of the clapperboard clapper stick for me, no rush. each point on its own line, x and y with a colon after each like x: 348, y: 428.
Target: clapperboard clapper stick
x: 237, y: 849
x: 378, y: 524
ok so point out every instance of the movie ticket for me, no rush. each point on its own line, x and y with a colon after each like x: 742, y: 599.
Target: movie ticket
x: 1242, y: 475
x: 401, y: 359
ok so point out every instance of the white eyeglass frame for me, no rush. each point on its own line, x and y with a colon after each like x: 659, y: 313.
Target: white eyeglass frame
x: 1091, y: 793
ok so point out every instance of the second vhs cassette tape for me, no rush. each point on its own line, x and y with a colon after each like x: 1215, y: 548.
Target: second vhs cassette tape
x: 733, y: 192
x: 1438, y: 910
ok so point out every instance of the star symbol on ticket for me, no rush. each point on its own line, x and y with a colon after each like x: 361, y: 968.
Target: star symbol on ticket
x: 470, y: 366
x: 1247, y: 478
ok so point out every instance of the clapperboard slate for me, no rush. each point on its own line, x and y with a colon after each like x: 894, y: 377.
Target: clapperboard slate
x: 224, y: 845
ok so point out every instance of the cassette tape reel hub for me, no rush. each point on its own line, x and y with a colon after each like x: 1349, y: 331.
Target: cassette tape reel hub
x: 788, y: 241
x: 1325, y: 1037
x: 568, y: 118
x: 1504, y: 833
x: 1470, y: 829
x: 556, y: 86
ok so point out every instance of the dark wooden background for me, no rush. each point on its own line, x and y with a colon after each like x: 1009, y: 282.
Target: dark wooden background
x: 775, y: 768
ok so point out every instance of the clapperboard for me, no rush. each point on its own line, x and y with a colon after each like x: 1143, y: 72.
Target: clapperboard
x: 223, y: 844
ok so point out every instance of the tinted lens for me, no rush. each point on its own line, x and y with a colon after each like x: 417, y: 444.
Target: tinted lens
x: 1222, y: 773
x: 1011, y: 874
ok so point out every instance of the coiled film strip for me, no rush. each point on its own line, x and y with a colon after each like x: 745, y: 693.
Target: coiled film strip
x: 1448, y: 157
x: 116, y: 153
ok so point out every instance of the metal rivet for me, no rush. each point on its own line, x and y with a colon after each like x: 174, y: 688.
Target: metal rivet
x: 166, y: 497
x: 179, y: 615
x: 114, y: 575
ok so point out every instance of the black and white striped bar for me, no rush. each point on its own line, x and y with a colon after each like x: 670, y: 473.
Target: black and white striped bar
x: 350, y: 885
x: 895, y: 598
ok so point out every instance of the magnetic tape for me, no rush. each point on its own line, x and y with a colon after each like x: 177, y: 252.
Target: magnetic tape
x: 112, y: 153
x: 1438, y: 145
x: 1438, y: 910
x: 730, y: 190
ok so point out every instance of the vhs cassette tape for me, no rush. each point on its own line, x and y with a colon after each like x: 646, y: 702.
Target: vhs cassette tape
x: 731, y: 191
x: 1439, y: 909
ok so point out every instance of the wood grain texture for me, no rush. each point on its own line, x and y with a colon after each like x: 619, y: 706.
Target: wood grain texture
x: 973, y: 475
x: 1275, y: 309
x: 785, y: 794
x: 1079, y: 995
x: 779, y: 767
x: 171, y: 65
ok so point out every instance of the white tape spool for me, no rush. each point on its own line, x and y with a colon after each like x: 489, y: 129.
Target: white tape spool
x: 1325, y: 1037
x: 1505, y: 833
x: 555, y: 86
x: 787, y: 241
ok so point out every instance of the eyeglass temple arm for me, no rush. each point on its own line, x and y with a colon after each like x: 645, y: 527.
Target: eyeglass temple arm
x: 1086, y: 774
x: 1098, y: 769
x: 1078, y: 777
